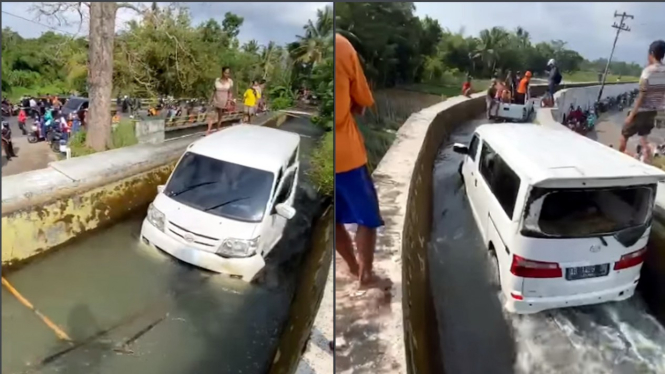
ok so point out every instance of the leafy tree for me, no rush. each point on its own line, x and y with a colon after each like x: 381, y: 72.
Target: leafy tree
x: 397, y: 47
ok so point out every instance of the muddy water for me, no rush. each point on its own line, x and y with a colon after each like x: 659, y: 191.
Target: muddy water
x: 477, y: 336
x: 132, y: 309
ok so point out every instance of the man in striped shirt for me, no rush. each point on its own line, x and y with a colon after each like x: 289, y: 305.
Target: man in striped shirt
x: 651, y: 99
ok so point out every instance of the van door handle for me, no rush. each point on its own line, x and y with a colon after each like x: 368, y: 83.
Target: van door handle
x: 475, y: 182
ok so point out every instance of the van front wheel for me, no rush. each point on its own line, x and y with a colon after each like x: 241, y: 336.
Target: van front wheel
x: 493, y: 267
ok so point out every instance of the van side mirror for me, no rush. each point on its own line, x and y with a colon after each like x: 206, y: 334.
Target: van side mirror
x: 285, y: 211
x: 460, y: 148
x: 160, y: 188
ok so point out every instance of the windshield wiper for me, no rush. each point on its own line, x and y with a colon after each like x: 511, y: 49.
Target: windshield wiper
x: 226, y: 203
x: 189, y: 188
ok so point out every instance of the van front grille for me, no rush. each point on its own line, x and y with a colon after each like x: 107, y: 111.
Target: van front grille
x: 200, y: 239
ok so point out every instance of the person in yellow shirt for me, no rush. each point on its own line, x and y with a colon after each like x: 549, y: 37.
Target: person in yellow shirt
x: 251, y: 97
x: 356, y: 201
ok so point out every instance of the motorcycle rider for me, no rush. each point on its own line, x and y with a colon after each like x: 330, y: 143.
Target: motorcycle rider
x: 22, y: 117
x: 7, y: 144
x: 553, y: 80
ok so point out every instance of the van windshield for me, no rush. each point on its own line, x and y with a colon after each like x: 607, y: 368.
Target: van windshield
x: 574, y: 213
x: 221, y: 188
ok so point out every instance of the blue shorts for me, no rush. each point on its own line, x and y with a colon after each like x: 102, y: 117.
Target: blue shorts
x: 356, y: 201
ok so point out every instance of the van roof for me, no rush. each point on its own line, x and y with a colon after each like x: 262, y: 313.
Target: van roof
x: 541, y: 153
x: 254, y: 146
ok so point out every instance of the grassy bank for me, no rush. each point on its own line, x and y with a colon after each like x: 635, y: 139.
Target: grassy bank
x: 123, y: 135
x: 590, y: 76
x: 453, y: 85
x: 323, y: 167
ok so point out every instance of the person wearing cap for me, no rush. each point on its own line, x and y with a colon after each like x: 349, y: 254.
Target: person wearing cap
x: 651, y: 99
x: 522, y: 88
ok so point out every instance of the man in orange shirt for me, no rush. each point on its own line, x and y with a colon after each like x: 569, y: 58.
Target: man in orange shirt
x: 356, y: 201
x: 522, y: 88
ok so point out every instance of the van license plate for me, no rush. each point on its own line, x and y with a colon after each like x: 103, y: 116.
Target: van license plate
x: 584, y: 272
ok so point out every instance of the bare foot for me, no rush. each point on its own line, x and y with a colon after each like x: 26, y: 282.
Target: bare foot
x: 374, y: 281
x: 349, y: 272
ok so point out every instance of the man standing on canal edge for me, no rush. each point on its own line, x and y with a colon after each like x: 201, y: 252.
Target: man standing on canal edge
x: 356, y: 201
x: 651, y: 99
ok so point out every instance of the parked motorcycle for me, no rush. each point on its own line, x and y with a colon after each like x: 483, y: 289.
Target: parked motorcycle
x: 33, y: 135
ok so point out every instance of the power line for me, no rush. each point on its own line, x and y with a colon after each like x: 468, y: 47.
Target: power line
x: 41, y: 24
x: 620, y: 27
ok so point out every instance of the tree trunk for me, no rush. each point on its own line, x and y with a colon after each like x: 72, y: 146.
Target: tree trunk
x: 100, y: 75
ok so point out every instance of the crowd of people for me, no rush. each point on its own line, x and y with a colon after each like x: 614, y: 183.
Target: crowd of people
x: 47, y: 119
x: 513, y: 89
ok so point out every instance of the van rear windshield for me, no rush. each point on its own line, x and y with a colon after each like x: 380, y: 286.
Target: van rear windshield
x: 574, y: 213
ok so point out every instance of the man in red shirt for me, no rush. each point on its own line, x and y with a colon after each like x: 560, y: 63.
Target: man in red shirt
x: 466, y: 87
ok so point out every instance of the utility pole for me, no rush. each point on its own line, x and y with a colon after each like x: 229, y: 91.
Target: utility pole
x: 620, y: 27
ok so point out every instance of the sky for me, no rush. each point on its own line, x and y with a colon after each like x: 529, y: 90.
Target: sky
x: 279, y: 22
x: 586, y: 27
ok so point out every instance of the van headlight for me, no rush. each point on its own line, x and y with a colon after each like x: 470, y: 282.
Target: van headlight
x: 238, y: 247
x: 156, y: 217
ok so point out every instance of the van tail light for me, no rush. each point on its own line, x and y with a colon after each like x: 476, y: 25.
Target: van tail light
x: 630, y: 260
x: 524, y: 268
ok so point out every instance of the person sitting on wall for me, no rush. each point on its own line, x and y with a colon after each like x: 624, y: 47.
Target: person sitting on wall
x: 466, y: 86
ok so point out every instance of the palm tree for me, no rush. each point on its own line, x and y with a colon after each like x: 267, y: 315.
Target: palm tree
x: 490, y: 41
x: 523, y: 37
x: 316, y: 44
x: 251, y: 46
x: 268, y: 57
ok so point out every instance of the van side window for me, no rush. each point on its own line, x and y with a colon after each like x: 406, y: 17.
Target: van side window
x: 501, y: 179
x: 279, y: 179
x: 294, y: 157
x: 473, y: 147
x: 285, y: 192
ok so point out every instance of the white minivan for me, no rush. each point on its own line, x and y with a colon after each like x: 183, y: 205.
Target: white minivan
x: 225, y: 206
x: 566, y: 220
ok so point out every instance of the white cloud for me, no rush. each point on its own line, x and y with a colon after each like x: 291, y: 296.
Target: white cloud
x: 586, y: 27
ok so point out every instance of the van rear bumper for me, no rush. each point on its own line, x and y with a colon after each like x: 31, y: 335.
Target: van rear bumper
x: 539, y: 304
x: 247, y: 268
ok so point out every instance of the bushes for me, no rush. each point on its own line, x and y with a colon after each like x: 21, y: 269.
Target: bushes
x: 323, y: 171
x: 122, y: 135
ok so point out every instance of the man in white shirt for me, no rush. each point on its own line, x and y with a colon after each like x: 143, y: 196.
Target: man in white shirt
x: 651, y: 99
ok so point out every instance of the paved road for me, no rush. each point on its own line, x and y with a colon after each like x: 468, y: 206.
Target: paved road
x: 608, y: 131
x: 131, y: 309
x: 478, y: 337
x: 30, y: 156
